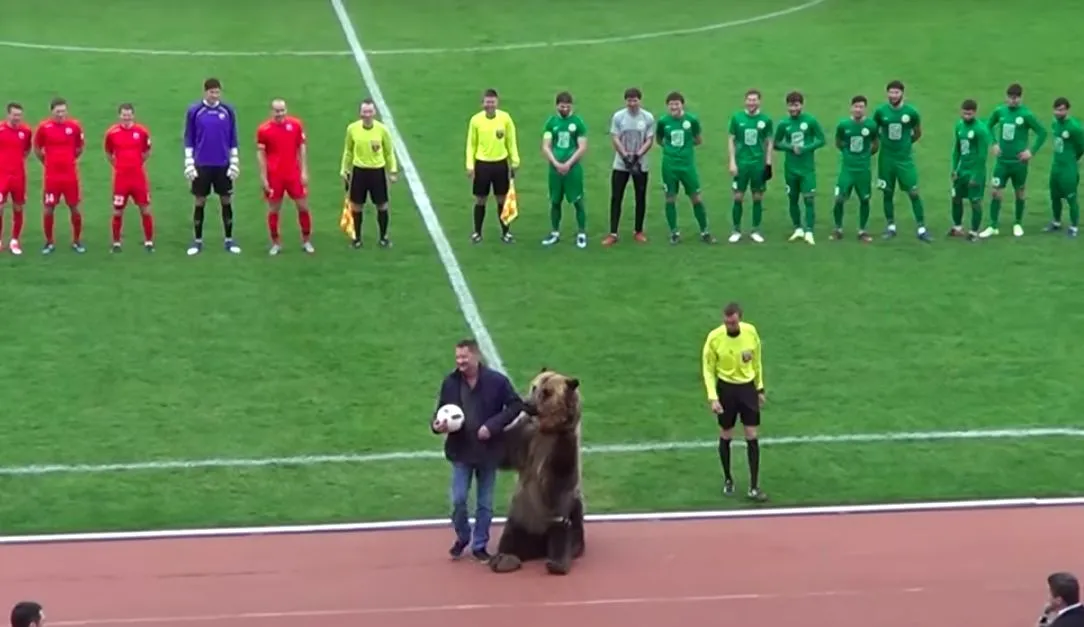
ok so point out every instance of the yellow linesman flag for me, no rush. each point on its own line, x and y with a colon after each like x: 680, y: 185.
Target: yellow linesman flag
x: 346, y: 220
x: 510, y: 210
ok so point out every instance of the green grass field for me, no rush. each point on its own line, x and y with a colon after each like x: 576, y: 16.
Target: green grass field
x: 132, y: 358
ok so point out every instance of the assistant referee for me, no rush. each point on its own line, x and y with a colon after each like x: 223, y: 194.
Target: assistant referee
x: 368, y: 164
x: 734, y: 378
x: 492, y: 156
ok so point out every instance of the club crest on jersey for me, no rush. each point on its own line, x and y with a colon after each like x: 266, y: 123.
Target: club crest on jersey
x: 289, y: 126
x: 222, y: 116
x: 686, y: 125
x: 22, y: 135
x: 375, y: 145
x: 803, y: 126
x: 500, y: 134
x: 571, y: 128
x: 905, y: 118
x: 640, y: 125
x: 971, y: 134
x: 68, y: 131
x: 1019, y: 121
x: 760, y: 124
x: 1065, y: 134
x: 865, y: 132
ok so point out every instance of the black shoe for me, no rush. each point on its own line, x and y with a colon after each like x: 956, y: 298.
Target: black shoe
x: 482, y: 556
x: 356, y: 243
x: 728, y: 487
x: 457, y: 549
x: 756, y: 495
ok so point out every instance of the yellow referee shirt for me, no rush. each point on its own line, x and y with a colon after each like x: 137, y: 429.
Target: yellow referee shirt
x: 492, y: 139
x: 369, y: 148
x: 732, y: 359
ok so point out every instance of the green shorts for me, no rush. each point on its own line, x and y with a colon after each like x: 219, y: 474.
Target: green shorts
x: 858, y: 182
x: 684, y: 178
x: 568, y: 187
x: 749, y: 177
x: 892, y: 173
x: 1005, y: 173
x: 1063, y: 185
x: 800, y: 183
x: 969, y: 187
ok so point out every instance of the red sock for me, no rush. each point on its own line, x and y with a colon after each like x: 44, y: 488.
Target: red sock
x: 117, y: 224
x: 47, y: 225
x: 273, y: 225
x: 1, y: 228
x: 77, y: 226
x: 148, y: 227
x: 17, y: 225
x: 304, y: 219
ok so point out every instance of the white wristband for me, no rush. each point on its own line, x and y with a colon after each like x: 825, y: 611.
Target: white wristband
x: 188, y: 154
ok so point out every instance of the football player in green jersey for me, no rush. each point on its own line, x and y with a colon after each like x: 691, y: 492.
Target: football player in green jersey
x: 799, y: 136
x: 856, y: 139
x: 678, y: 132
x: 1011, y: 123
x: 564, y: 142
x: 900, y: 126
x: 970, y: 149
x: 1065, y: 173
x: 750, y: 141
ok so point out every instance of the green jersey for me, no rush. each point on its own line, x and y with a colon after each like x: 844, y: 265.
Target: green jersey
x: 855, y: 139
x: 677, y: 137
x: 970, y: 147
x: 563, y: 134
x: 1012, y: 126
x: 751, y: 133
x: 803, y: 131
x: 896, y: 126
x: 1068, y: 143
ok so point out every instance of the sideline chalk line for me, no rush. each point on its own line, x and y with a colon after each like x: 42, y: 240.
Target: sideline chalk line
x: 597, y: 449
x: 617, y: 39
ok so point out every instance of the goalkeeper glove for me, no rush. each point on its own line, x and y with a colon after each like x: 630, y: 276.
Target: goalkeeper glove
x: 189, y: 165
x: 234, y: 170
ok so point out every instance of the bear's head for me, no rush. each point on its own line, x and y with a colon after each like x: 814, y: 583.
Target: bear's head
x: 554, y: 400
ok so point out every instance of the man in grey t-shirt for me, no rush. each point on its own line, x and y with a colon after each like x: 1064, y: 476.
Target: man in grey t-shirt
x: 632, y: 131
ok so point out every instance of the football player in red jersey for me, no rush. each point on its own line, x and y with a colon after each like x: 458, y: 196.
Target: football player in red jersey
x: 58, y: 144
x: 284, y: 171
x: 128, y: 145
x: 15, y: 145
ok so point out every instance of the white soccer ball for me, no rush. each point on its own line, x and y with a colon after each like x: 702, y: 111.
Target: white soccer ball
x: 451, y: 416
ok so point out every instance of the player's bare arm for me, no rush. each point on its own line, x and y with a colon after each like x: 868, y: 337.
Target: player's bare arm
x: 698, y: 139
x: 581, y: 148
x: 303, y: 157
x: 916, y: 132
x: 875, y: 145
x: 769, y: 146
x: 547, y: 151
x: 261, y: 161
x: 732, y: 151
x: 615, y: 141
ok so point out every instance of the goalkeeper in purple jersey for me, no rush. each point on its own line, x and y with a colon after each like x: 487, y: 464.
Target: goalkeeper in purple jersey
x: 211, y: 160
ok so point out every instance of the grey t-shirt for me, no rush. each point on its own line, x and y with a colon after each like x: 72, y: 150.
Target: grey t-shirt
x: 632, y: 130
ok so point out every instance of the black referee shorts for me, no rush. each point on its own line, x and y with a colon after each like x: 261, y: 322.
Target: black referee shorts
x: 212, y: 178
x: 371, y: 183
x: 739, y: 400
x: 492, y: 176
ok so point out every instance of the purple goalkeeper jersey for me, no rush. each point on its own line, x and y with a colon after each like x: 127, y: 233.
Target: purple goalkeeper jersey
x: 210, y: 131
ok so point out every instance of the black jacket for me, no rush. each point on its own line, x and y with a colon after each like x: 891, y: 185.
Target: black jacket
x: 1072, y: 618
x: 498, y: 405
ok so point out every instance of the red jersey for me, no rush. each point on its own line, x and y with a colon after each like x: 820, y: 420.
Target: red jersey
x: 281, y: 143
x: 14, y: 147
x: 62, y: 143
x: 128, y: 147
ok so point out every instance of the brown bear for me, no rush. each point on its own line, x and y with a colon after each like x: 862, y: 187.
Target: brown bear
x: 545, y: 517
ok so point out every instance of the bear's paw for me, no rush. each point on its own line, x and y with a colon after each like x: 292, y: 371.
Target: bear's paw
x: 505, y: 563
x: 558, y: 567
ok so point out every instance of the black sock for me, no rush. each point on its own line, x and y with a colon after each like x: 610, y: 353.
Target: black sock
x: 227, y: 220
x: 504, y: 227
x: 382, y: 222
x: 479, y: 217
x: 724, y: 458
x: 615, y: 215
x: 357, y: 225
x: 752, y: 449
x: 197, y: 222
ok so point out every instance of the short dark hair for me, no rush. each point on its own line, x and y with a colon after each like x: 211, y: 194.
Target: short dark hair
x: 675, y: 96
x: 1064, y: 586
x: 25, y: 614
x: 859, y: 98
x: 57, y: 102
x: 469, y: 344
x: 1061, y: 101
x: 795, y: 96
x: 14, y: 106
x: 1014, y: 90
x: 633, y: 92
x: 732, y: 309
x: 563, y: 98
x: 970, y: 105
x: 752, y: 92
x: 366, y: 101
x: 212, y: 83
x: 490, y: 93
x: 894, y: 85
x: 126, y: 106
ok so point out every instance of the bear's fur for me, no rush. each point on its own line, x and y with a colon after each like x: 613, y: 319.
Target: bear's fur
x: 545, y: 518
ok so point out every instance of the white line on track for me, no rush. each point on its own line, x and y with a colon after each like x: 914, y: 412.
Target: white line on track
x: 616, y: 39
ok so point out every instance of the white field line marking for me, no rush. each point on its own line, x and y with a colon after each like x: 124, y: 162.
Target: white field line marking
x: 597, y: 449
x: 424, y: 203
x: 617, y: 39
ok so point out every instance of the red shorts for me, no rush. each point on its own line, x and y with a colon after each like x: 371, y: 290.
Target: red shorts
x: 64, y: 190
x: 280, y: 187
x: 134, y: 188
x: 13, y: 188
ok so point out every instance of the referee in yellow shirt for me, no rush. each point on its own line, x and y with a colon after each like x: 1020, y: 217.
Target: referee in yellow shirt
x: 734, y: 378
x: 492, y: 156
x: 368, y: 164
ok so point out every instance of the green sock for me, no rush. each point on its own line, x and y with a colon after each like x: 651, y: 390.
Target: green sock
x: 976, y: 215
x: 581, y: 216
x: 795, y: 212
x: 736, y: 214
x: 555, y: 217
x: 671, y: 215
x: 758, y: 213
x: 837, y: 213
x: 1018, y: 214
x: 863, y: 214
x: 1074, y: 211
x: 890, y: 207
x: 701, y: 216
x: 919, y: 210
x: 1055, y: 206
x: 810, y: 215
x: 957, y: 212
x: 995, y: 212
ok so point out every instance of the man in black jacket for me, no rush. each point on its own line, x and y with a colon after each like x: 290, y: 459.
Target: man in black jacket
x: 1063, y: 609
x: 490, y: 403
